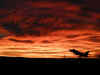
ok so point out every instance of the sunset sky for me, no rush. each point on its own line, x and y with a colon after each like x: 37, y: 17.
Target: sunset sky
x: 49, y: 28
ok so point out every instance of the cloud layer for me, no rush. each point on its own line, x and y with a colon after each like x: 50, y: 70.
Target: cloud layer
x: 41, y: 17
x: 49, y: 28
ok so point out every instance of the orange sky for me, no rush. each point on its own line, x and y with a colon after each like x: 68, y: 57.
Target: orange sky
x: 48, y: 30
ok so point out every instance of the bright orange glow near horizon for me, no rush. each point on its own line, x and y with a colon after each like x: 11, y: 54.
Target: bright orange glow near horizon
x: 48, y: 30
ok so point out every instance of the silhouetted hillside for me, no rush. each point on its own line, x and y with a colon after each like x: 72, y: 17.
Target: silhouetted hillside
x: 19, y: 60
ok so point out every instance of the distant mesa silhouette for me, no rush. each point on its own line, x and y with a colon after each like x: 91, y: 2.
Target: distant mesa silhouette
x: 80, y: 53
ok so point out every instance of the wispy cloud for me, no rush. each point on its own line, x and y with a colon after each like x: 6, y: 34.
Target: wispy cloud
x: 21, y: 41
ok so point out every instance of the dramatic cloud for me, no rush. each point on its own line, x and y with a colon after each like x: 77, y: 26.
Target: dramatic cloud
x: 2, y: 36
x: 21, y: 41
x: 15, y: 29
x: 36, y: 20
x: 46, y: 41
x: 72, y: 36
x: 52, y: 27
x: 95, y: 39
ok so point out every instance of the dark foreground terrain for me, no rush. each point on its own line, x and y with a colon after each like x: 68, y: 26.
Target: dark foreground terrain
x: 19, y: 60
